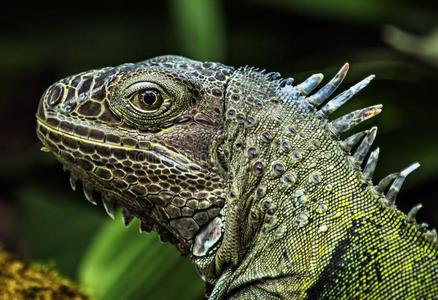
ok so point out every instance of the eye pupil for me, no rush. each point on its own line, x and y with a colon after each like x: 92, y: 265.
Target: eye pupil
x: 147, y: 99
x: 150, y: 97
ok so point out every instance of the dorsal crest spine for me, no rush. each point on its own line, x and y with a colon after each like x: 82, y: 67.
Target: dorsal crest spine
x: 319, y: 103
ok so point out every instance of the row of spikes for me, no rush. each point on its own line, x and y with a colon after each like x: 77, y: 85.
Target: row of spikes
x: 361, y: 141
x: 109, y: 203
x: 343, y: 123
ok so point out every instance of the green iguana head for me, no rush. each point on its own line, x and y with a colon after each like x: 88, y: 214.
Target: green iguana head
x: 146, y: 136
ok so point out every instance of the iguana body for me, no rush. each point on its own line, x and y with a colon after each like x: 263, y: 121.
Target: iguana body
x: 245, y: 174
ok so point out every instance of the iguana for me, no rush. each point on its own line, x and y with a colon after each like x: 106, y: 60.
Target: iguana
x: 246, y: 174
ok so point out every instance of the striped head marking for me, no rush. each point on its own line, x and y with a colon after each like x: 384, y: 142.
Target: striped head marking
x: 142, y: 135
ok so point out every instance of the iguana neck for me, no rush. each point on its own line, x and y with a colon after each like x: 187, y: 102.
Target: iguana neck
x: 290, y: 185
x: 268, y: 146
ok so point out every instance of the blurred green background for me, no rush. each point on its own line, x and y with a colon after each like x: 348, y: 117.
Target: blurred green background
x: 43, y: 220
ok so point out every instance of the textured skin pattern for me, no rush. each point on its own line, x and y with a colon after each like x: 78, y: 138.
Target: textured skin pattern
x: 245, y: 174
x: 158, y: 169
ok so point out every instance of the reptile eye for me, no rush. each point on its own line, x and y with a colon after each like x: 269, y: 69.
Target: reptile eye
x: 146, y: 99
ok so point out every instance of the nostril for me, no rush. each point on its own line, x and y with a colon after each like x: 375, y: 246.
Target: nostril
x: 54, y: 94
x: 67, y: 107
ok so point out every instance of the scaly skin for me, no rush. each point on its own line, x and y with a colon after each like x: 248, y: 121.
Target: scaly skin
x: 244, y: 174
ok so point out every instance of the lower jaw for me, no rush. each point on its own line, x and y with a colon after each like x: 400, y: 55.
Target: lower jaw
x: 204, y: 243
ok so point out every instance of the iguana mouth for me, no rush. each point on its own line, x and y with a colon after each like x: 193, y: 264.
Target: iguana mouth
x: 63, y: 144
x: 53, y: 140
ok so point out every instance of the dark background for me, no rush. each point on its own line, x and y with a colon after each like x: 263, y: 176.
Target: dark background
x: 43, y: 220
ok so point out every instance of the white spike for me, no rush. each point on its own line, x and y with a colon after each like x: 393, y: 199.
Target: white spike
x: 348, y: 121
x: 72, y: 183
x: 309, y: 84
x: 327, y: 90
x: 413, y: 212
x: 383, y: 184
x: 88, y: 192
x: 410, y: 169
x: 352, y: 140
x: 398, y: 182
x: 431, y: 235
x: 343, y: 97
x: 370, y: 167
x: 109, y: 205
x: 424, y: 226
x: 364, y: 147
x: 127, y: 217
x: 286, y: 82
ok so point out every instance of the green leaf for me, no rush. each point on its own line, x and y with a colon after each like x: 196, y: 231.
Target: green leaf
x: 56, y: 226
x: 366, y: 12
x: 121, y: 263
x: 200, y: 26
x: 425, y: 47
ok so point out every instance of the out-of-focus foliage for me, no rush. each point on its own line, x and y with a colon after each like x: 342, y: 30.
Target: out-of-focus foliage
x: 55, y: 227
x: 42, y: 218
x: 408, y: 13
x: 21, y: 280
x: 425, y: 47
x: 122, y: 264
x: 201, y: 28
